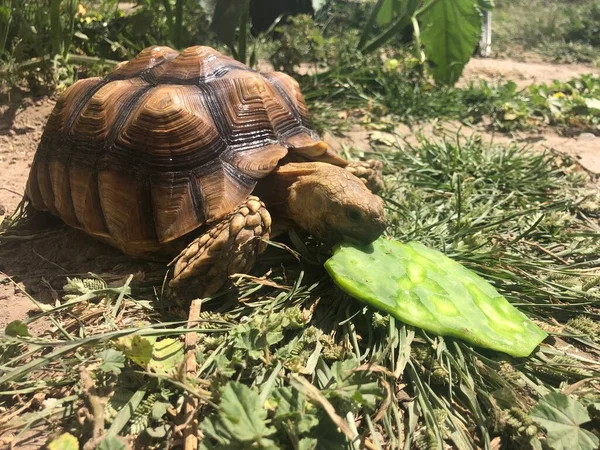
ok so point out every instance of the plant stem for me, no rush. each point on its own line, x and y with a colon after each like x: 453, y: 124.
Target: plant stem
x: 55, y: 29
x: 178, y: 23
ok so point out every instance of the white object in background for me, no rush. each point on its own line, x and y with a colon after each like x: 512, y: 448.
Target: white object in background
x: 485, y: 43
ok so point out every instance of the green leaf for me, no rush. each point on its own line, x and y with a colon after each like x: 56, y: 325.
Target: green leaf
x: 126, y: 412
x: 17, y: 328
x: 292, y: 409
x: 424, y: 288
x: 137, y: 348
x: 561, y: 416
x: 386, y: 12
x: 113, y: 361
x: 307, y: 444
x: 65, y: 441
x: 450, y: 30
x: 250, y: 339
x: 167, y: 356
x: 592, y: 103
x: 241, y: 420
x: 359, y: 388
x: 159, y: 432
x: 112, y: 443
x: 159, y: 409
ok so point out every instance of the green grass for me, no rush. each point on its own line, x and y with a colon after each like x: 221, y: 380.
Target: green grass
x: 284, y: 353
x: 559, y: 31
x: 397, y: 89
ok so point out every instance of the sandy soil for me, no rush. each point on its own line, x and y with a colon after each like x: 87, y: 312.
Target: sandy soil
x: 39, y: 266
x: 522, y: 73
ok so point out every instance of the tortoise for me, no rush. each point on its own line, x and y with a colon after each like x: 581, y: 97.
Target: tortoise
x: 190, y: 155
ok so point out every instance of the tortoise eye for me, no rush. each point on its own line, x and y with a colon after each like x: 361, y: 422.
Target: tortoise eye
x: 354, y: 214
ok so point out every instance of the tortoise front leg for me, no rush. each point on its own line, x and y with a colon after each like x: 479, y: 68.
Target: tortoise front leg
x: 230, y: 246
x: 370, y: 173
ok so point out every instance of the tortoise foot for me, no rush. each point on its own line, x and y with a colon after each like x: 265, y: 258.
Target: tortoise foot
x: 230, y: 246
x: 370, y: 172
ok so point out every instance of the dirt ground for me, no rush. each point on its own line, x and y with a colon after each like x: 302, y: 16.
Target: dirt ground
x: 522, y: 73
x: 39, y: 266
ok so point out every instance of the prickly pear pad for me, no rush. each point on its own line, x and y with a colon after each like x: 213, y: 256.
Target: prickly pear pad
x: 425, y: 288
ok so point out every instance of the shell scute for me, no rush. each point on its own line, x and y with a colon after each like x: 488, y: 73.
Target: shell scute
x: 145, y: 60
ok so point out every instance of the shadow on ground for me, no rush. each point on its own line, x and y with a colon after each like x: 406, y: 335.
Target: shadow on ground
x: 39, y: 263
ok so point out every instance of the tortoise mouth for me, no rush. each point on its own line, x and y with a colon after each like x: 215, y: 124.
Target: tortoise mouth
x: 365, y: 236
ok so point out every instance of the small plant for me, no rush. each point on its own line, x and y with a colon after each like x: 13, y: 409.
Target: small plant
x: 300, y: 41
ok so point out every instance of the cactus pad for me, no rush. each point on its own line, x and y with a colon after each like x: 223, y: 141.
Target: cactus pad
x: 425, y: 288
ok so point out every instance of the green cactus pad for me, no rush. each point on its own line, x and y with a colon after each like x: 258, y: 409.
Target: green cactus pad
x: 424, y: 288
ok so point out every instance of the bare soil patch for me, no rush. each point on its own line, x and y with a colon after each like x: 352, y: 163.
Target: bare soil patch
x: 522, y: 73
x: 39, y: 265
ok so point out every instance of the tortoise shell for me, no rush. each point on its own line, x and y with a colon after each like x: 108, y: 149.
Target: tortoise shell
x: 164, y: 144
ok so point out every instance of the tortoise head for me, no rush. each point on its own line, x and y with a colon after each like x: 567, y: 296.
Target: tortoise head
x: 331, y: 203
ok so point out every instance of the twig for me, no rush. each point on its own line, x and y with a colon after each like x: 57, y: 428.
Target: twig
x: 546, y: 251
x: 11, y: 191
x: 190, y: 432
x: 317, y: 397
x: 97, y: 403
x: 43, y: 258
x: 572, y: 388
x: 260, y: 280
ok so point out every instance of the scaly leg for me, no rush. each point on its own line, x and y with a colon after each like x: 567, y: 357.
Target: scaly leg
x: 230, y: 246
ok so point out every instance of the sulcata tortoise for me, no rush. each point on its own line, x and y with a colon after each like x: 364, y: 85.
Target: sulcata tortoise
x: 190, y: 155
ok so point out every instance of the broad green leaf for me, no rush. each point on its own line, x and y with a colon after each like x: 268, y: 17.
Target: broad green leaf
x: 561, y: 416
x: 159, y: 409
x: 308, y: 444
x: 386, y: 12
x: 113, y: 361
x: 17, y: 328
x: 424, y: 288
x: 137, y: 348
x: 167, y: 356
x: 292, y: 408
x: 112, y: 443
x: 249, y: 339
x: 65, y: 441
x: 359, y: 387
x: 450, y: 30
x: 241, y: 420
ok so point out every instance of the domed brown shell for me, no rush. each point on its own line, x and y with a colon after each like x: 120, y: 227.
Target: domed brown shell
x: 164, y: 144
